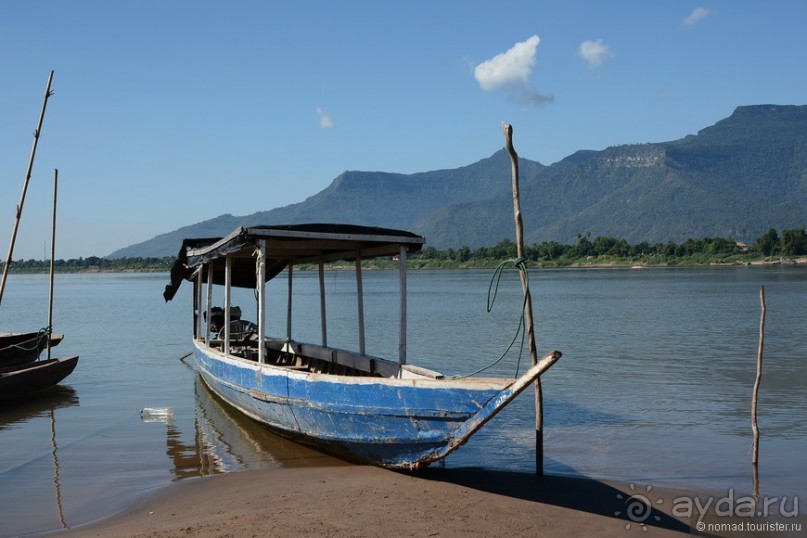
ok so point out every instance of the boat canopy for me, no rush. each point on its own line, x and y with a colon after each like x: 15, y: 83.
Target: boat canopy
x: 285, y: 244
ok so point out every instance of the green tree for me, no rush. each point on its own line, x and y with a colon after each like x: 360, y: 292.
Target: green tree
x: 767, y: 244
x: 603, y: 245
x: 690, y: 247
x: 584, y: 246
x: 551, y: 250
x: 505, y: 249
x: 793, y: 242
x: 719, y: 245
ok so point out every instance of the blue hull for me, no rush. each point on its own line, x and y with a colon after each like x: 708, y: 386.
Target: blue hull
x: 396, y: 423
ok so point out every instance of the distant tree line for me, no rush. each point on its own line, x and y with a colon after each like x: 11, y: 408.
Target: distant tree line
x: 791, y: 243
x: 93, y: 263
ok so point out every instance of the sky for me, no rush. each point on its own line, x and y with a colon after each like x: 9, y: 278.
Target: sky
x: 168, y: 113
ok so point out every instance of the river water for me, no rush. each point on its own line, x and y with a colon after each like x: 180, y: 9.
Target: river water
x: 654, y: 386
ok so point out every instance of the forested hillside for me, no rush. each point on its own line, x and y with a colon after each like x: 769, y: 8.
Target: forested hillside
x: 736, y: 179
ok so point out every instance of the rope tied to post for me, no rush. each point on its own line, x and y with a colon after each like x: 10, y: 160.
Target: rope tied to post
x: 42, y: 334
x: 493, y: 290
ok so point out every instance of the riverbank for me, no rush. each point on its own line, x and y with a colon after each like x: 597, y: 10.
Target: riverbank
x: 417, y: 263
x: 369, y: 501
x: 599, y: 252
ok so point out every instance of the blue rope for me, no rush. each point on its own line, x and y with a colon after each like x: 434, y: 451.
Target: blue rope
x: 493, y: 290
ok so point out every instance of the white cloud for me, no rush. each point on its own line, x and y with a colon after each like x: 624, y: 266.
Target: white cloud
x: 325, y: 121
x: 697, y: 15
x: 508, y: 69
x: 594, y: 52
x: 511, y: 71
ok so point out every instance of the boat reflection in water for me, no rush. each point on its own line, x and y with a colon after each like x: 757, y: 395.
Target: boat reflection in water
x: 39, y: 406
x: 227, y: 441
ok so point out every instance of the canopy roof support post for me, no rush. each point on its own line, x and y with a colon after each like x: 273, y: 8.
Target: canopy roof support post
x: 322, y: 313
x: 402, y: 335
x: 209, y: 302
x: 288, y: 309
x: 261, y: 287
x: 197, y: 307
x: 228, y: 276
x: 360, y: 297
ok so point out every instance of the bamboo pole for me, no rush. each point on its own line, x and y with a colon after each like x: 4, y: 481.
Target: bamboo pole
x: 261, y: 275
x: 323, y: 317
x: 197, y: 306
x: 758, y: 379
x: 402, y: 298
x: 38, y: 130
x: 52, y: 257
x: 360, y: 302
x: 289, y: 302
x: 209, y: 302
x: 528, y: 319
x: 228, y: 295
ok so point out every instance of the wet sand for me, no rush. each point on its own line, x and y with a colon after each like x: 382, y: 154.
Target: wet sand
x: 368, y: 501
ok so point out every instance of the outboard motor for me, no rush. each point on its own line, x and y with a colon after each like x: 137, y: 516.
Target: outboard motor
x: 217, y: 316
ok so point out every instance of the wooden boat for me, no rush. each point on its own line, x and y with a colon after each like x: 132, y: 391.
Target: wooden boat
x: 23, y: 380
x: 19, y: 348
x: 362, y: 407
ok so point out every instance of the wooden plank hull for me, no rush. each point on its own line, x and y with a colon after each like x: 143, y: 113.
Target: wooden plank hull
x: 20, y: 348
x: 392, y: 422
x: 24, y: 379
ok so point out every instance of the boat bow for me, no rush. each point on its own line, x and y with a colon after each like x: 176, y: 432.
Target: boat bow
x: 472, y: 425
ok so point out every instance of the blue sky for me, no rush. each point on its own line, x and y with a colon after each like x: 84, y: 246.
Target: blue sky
x: 169, y: 113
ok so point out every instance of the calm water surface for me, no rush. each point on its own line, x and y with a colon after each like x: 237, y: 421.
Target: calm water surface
x: 654, y: 385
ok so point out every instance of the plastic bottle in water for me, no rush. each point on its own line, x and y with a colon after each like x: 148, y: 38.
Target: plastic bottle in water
x: 156, y: 414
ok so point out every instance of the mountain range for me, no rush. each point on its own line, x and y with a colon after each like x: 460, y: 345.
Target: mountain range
x: 735, y: 179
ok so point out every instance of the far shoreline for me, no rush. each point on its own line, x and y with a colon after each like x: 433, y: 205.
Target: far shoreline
x: 414, y: 266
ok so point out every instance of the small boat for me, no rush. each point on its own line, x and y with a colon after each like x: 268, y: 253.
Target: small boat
x: 19, y: 348
x: 23, y: 380
x: 23, y: 348
x: 365, y: 408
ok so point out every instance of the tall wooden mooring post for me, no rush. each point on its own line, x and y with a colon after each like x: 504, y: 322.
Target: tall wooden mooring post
x: 528, y: 319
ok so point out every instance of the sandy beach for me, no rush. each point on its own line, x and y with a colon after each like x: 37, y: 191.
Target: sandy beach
x: 368, y: 501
